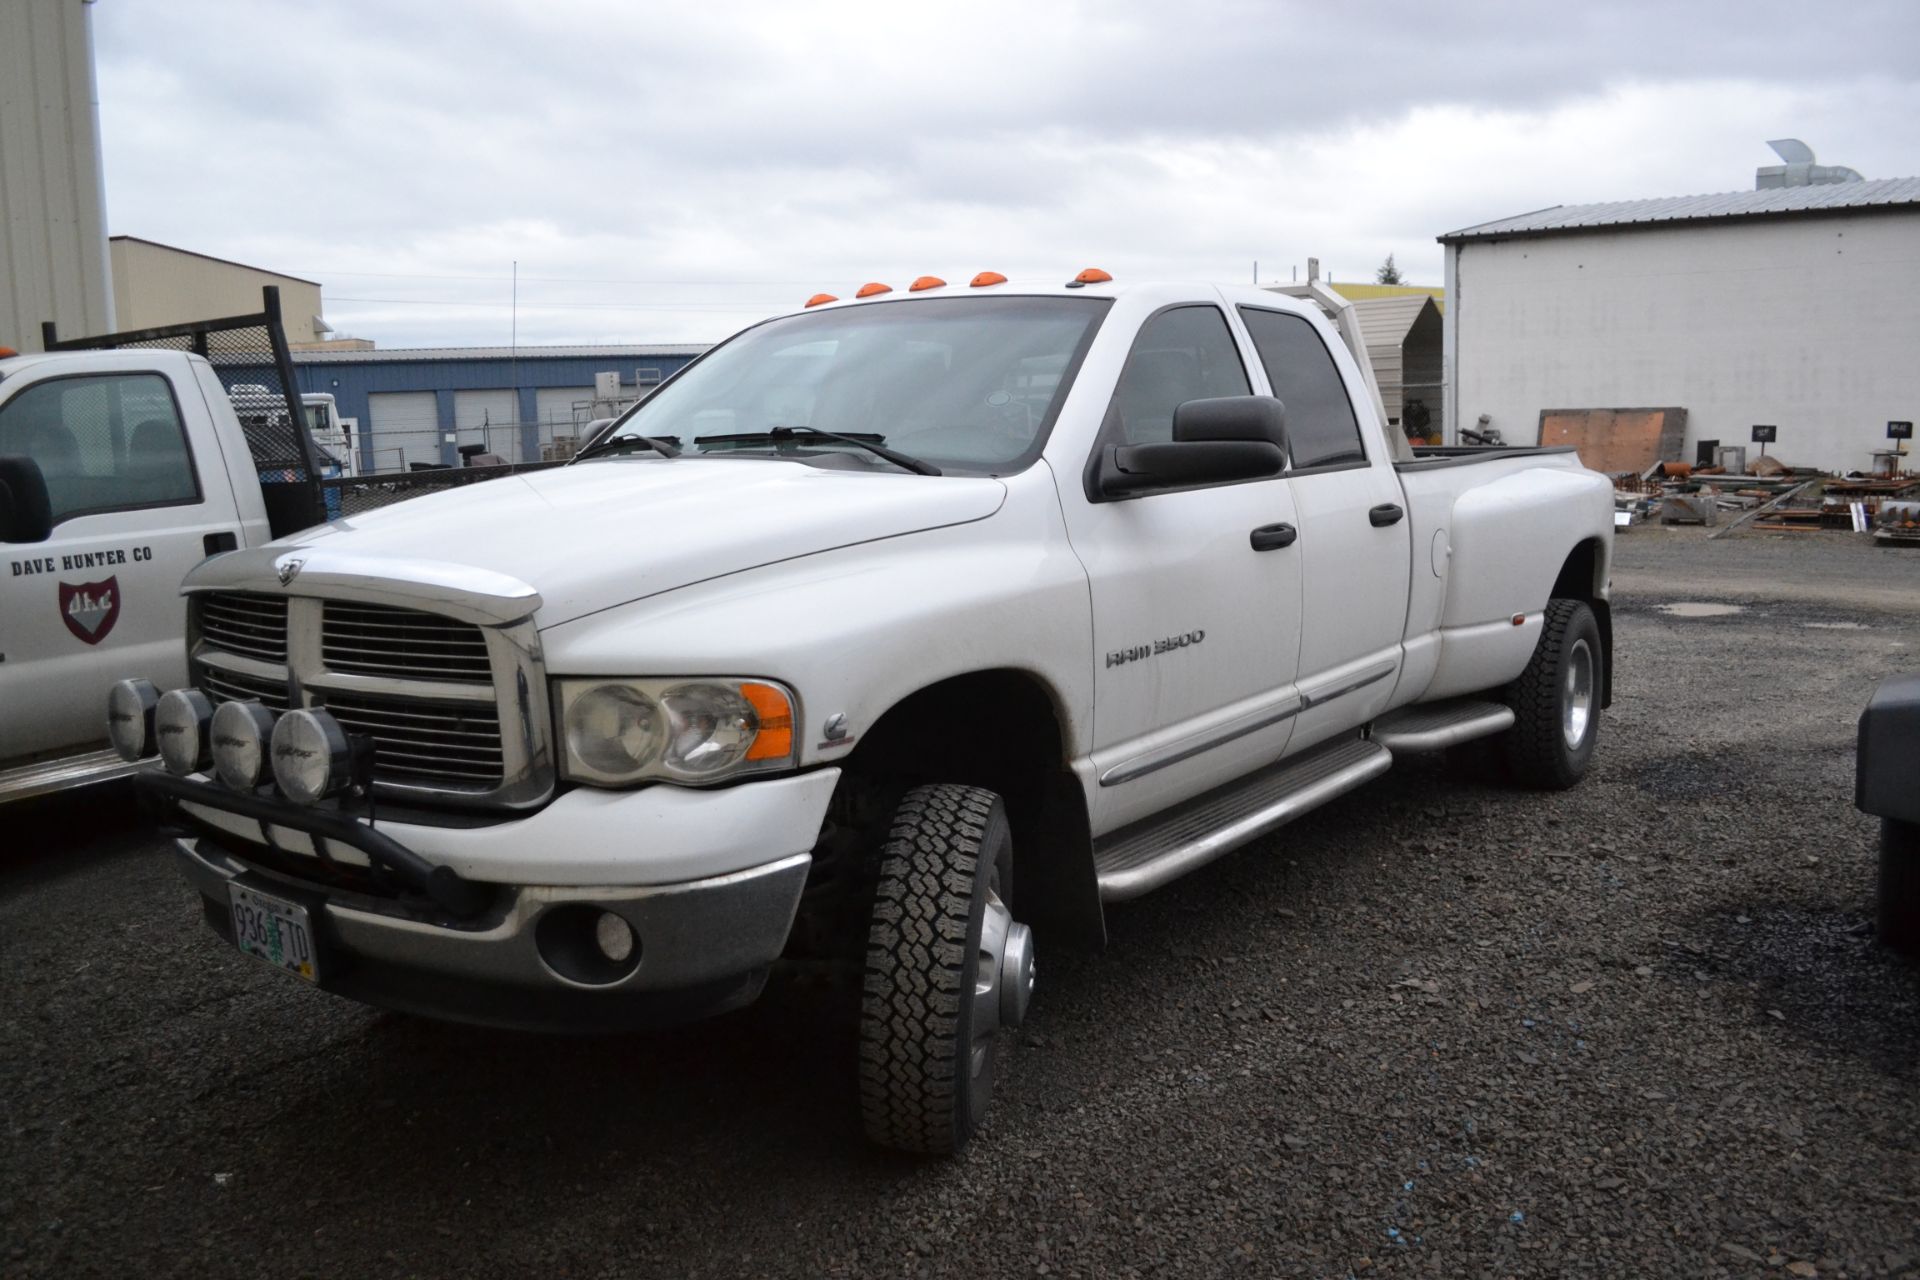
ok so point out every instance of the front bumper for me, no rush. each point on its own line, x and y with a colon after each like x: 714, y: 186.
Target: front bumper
x: 494, y: 923
x: 703, y: 946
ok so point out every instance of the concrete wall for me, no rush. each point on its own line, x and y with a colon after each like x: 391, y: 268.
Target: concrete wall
x: 1810, y: 323
x: 155, y: 284
x: 53, y: 239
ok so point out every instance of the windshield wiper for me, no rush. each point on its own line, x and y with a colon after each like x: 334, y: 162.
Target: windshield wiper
x: 871, y: 443
x: 665, y: 446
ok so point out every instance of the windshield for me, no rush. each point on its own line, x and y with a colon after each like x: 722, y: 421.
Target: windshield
x: 968, y: 384
x: 319, y: 421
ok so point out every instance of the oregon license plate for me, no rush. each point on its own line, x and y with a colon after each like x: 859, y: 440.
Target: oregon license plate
x: 274, y: 930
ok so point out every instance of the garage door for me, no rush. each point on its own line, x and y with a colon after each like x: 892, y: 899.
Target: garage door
x: 489, y: 418
x: 406, y: 428
x: 556, y: 408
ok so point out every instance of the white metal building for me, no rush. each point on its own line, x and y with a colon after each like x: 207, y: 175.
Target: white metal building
x: 1793, y: 306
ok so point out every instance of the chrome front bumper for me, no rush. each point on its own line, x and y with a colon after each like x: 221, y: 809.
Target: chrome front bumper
x: 704, y: 946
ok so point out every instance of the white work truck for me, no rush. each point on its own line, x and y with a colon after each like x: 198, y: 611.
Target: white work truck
x: 885, y: 637
x: 119, y: 471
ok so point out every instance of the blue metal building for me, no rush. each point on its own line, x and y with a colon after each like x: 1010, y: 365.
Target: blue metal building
x: 420, y: 405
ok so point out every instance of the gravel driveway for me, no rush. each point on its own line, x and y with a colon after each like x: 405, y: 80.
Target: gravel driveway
x: 1637, y: 1029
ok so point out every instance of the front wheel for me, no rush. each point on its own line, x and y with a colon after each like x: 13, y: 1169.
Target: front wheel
x: 947, y: 968
x: 1556, y: 701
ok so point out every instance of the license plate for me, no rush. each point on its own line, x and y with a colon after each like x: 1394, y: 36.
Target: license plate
x: 274, y: 930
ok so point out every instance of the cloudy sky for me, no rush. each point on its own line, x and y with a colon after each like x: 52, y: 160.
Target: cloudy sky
x: 671, y: 172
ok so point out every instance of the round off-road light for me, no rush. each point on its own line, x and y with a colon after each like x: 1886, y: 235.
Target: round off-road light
x: 311, y: 759
x: 613, y: 936
x: 241, y: 731
x: 183, y: 722
x: 130, y: 705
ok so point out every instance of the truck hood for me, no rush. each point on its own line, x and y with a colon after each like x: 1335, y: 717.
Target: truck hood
x: 593, y: 536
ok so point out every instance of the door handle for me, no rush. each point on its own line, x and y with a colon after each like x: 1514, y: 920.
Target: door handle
x: 214, y: 543
x: 1271, y: 537
x: 1385, y: 514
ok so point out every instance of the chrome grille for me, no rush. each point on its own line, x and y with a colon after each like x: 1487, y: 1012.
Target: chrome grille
x: 223, y: 685
x: 406, y: 644
x: 239, y: 622
x: 432, y: 743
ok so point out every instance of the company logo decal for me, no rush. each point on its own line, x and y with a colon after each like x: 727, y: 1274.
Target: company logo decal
x: 90, y: 608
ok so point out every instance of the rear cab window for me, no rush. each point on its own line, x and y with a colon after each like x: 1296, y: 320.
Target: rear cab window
x: 1322, y: 429
x: 104, y: 442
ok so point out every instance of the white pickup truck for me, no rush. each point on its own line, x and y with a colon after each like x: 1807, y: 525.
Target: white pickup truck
x: 887, y: 635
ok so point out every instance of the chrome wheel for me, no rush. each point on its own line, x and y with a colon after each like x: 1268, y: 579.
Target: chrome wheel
x: 1576, y: 695
x: 1002, y: 979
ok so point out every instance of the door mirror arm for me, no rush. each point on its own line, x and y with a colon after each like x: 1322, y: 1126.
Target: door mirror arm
x: 1130, y: 469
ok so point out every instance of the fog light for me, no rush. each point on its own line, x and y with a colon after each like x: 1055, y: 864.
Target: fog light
x: 310, y: 756
x: 613, y: 936
x: 183, y: 722
x: 130, y: 705
x: 241, y: 731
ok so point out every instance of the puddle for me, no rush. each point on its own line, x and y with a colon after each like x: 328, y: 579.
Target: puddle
x: 1837, y: 626
x: 1699, y: 609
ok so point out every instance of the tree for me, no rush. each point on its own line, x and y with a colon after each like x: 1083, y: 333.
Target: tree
x: 1388, y: 273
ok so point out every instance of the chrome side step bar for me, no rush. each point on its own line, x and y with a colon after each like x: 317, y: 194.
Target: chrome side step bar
x: 1431, y: 726
x: 1147, y: 855
x: 44, y: 777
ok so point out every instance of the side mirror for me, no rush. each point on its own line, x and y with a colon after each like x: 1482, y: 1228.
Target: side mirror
x: 26, y: 509
x: 1128, y: 469
x: 1215, y: 441
x: 1232, y: 418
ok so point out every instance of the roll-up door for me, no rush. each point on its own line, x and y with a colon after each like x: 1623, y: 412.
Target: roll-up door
x: 406, y: 429
x: 489, y: 418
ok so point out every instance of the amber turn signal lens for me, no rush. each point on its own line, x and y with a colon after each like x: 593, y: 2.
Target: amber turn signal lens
x: 821, y: 299
x: 986, y: 278
x: 1093, y: 275
x: 926, y: 282
x: 770, y: 705
x: 872, y: 287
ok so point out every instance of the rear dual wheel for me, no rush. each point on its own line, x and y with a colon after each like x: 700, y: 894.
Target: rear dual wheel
x: 1556, y: 701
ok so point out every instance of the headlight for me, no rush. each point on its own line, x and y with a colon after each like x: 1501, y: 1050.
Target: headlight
x: 624, y: 731
x: 311, y: 760
x: 183, y: 723
x: 241, y: 731
x: 130, y: 705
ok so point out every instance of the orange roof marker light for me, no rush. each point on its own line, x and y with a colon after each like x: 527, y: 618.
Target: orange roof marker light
x: 926, y: 282
x: 821, y: 299
x: 6, y: 352
x: 872, y: 287
x: 1093, y: 275
x: 986, y: 278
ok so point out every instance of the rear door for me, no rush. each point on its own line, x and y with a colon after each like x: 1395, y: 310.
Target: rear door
x: 139, y: 496
x: 1354, y: 535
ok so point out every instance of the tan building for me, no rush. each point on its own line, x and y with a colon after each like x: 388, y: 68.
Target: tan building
x: 156, y: 284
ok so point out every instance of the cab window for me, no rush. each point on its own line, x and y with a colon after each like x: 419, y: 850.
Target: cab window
x: 104, y: 443
x: 1182, y: 354
x: 1321, y: 428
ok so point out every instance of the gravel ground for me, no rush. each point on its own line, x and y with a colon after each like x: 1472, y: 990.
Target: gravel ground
x: 1637, y: 1029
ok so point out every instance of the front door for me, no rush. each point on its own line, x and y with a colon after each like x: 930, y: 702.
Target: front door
x: 1196, y: 633
x: 100, y: 599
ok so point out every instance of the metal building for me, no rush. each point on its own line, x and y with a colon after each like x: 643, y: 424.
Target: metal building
x: 1791, y: 306
x: 53, y: 238
x: 1404, y: 340
x: 156, y: 284
x: 418, y: 407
